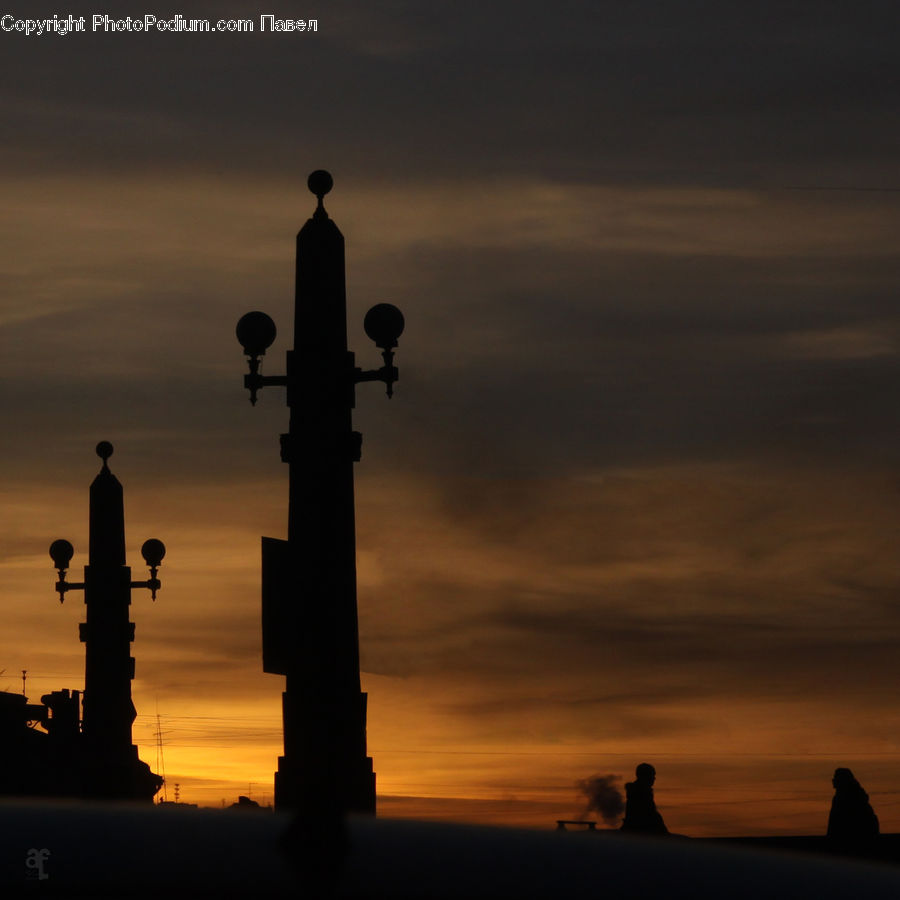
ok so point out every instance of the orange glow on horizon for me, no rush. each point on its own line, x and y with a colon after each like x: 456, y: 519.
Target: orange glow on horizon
x: 727, y: 614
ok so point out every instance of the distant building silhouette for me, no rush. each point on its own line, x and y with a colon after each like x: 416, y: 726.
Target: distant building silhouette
x: 641, y: 814
x: 852, y: 821
x: 85, y: 748
x: 245, y: 803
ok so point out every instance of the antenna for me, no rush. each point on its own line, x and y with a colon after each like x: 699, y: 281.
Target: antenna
x: 24, y: 673
x: 160, y: 762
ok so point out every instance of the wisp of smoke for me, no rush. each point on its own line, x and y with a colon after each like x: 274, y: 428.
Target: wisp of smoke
x: 603, y: 796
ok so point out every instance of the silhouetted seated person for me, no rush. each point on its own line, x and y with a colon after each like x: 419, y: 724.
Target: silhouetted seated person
x: 641, y: 814
x: 852, y: 823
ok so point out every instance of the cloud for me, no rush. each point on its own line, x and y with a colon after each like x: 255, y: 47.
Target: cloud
x: 842, y: 343
x: 637, y: 590
x: 562, y: 314
x: 635, y: 488
x: 720, y: 95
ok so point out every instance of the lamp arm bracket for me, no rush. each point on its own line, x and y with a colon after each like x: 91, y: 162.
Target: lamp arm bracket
x: 62, y: 586
x: 254, y: 382
x: 259, y: 381
x: 387, y: 374
x: 152, y: 585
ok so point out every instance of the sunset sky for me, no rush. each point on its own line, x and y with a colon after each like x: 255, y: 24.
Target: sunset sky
x: 636, y: 495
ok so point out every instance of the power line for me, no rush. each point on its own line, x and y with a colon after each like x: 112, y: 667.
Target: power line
x: 274, y: 729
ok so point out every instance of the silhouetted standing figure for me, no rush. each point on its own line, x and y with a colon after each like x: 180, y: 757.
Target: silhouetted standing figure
x: 641, y: 814
x: 852, y: 821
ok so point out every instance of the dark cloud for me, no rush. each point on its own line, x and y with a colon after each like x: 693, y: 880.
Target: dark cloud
x: 637, y: 478
x: 638, y: 601
x: 695, y: 94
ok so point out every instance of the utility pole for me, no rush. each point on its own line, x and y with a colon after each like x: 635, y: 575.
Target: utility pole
x: 309, y: 611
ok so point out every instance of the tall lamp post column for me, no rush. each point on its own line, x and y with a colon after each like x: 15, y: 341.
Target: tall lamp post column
x: 310, y: 628
x: 111, y: 766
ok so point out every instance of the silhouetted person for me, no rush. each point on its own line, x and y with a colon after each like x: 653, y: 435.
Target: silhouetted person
x: 641, y: 814
x: 852, y: 822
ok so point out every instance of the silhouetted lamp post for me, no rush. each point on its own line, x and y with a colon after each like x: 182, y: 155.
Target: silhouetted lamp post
x: 310, y: 629
x: 108, y: 712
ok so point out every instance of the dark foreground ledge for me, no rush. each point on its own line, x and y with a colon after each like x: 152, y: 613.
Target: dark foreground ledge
x: 884, y: 849
x: 97, y: 851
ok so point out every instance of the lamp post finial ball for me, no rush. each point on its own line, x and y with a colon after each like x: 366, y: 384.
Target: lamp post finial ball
x: 61, y: 552
x: 320, y: 183
x: 384, y: 324
x: 256, y: 331
x: 153, y: 551
x: 104, y: 450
